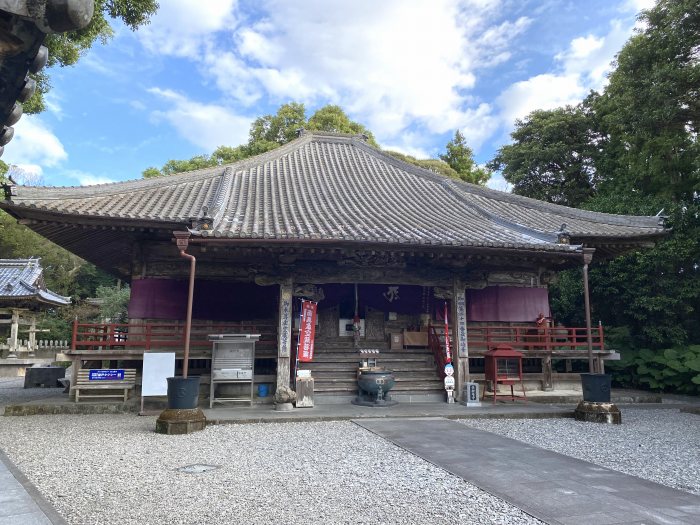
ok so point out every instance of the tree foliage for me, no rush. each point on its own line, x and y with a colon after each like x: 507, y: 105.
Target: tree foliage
x: 632, y: 149
x: 460, y: 157
x: 65, y: 49
x: 650, y: 111
x: 552, y: 156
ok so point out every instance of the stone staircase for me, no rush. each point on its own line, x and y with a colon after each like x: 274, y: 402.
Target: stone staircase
x: 335, y: 364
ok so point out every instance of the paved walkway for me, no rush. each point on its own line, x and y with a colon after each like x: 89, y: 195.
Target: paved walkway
x: 20, y: 502
x: 552, y: 487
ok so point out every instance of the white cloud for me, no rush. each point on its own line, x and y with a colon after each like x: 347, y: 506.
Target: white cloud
x: 183, y: 27
x: 583, y: 67
x: 87, y: 179
x: 637, y: 5
x: 388, y: 64
x: 539, y: 92
x: 34, y: 144
x: 205, y: 125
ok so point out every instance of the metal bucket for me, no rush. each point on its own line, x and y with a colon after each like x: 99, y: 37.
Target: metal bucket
x: 183, y: 392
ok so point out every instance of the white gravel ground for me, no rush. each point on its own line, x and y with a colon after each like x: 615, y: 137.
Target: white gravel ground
x: 660, y: 445
x: 12, y: 391
x: 116, y: 470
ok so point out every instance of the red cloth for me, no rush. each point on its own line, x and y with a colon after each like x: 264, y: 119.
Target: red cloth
x: 507, y: 304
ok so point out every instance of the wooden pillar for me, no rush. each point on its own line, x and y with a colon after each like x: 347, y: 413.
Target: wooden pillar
x: 547, y: 382
x: 284, y: 334
x: 587, y: 258
x: 459, y: 333
x: 77, y: 366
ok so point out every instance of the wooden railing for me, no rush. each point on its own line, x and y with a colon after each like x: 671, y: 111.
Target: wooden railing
x: 533, y: 340
x: 437, y: 348
x: 153, y: 336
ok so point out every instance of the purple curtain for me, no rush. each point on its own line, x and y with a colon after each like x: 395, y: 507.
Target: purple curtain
x: 213, y: 300
x: 507, y: 304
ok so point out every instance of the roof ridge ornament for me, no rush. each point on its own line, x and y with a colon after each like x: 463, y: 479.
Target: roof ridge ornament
x: 563, y: 235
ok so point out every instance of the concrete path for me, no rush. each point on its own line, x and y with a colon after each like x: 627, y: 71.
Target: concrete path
x: 552, y: 487
x: 20, y: 502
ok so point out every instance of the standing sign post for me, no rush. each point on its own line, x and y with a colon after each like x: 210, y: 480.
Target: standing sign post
x: 157, y: 367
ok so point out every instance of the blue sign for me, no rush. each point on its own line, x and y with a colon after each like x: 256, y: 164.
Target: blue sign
x: 106, y: 375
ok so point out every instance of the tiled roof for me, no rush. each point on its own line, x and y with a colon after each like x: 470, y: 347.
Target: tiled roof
x: 330, y: 187
x: 22, y: 279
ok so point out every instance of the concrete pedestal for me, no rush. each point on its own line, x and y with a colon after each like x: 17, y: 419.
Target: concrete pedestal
x: 180, y: 421
x: 598, y: 413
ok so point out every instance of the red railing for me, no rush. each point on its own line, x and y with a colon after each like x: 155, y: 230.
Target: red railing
x: 152, y: 336
x: 437, y: 348
x: 527, y: 339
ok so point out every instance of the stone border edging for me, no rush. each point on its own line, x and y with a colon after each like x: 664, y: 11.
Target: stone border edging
x: 49, y: 511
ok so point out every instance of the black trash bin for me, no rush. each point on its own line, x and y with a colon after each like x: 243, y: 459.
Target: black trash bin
x: 596, y: 387
x: 183, y: 392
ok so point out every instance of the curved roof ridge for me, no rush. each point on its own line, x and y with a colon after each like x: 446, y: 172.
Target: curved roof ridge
x: 649, y: 221
x: 217, y: 203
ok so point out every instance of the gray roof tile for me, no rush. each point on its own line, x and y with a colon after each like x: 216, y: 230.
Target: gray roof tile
x: 337, y: 187
x: 22, y: 279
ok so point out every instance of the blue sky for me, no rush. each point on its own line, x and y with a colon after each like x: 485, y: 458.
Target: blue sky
x: 412, y: 71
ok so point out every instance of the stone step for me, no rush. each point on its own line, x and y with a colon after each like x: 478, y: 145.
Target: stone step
x: 355, y: 358
x: 344, y: 390
x: 325, y: 368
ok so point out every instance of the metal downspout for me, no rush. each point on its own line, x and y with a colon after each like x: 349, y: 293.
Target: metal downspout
x: 182, y: 240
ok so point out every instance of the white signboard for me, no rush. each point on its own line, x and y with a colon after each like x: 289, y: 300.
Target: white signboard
x: 156, y: 368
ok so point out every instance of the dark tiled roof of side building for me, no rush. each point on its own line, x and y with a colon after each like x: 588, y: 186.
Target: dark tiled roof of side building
x: 337, y: 187
x: 23, y: 279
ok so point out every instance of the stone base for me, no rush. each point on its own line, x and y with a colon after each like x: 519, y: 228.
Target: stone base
x: 598, y: 413
x: 284, y: 407
x: 385, y: 403
x: 180, y: 421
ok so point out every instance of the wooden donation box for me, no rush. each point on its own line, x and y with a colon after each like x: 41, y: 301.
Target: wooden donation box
x: 503, y: 365
x: 415, y: 338
x: 232, y: 363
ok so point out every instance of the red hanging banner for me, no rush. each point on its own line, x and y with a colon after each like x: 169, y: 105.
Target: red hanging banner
x: 448, y: 352
x: 307, y: 331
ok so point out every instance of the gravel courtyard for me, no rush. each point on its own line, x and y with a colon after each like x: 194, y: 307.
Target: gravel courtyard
x: 115, y: 469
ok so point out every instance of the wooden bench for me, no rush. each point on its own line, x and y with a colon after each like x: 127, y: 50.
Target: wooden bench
x: 102, y: 385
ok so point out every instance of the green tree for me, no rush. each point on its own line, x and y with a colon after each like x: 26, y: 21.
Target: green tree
x: 113, y: 302
x: 333, y: 119
x: 552, y: 157
x: 65, y: 49
x: 435, y: 165
x: 460, y: 157
x: 267, y: 133
x: 650, y: 110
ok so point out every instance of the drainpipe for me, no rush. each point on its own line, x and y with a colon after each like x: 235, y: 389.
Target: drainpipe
x: 182, y: 241
x: 587, y: 258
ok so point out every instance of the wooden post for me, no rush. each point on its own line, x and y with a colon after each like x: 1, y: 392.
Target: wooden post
x: 547, y: 382
x: 587, y: 258
x: 459, y: 332
x: 284, y: 334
